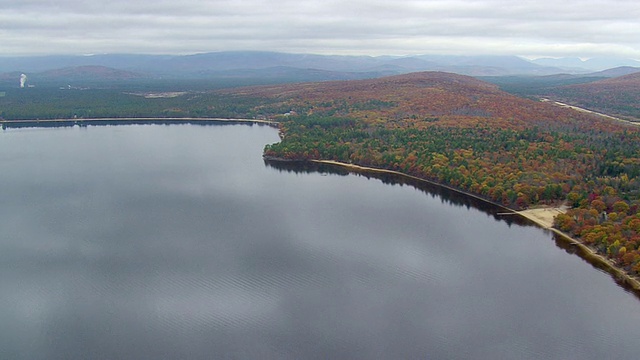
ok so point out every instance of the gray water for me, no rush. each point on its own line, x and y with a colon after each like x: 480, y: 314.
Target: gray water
x: 178, y: 242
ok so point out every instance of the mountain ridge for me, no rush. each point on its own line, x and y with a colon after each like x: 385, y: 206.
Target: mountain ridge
x: 585, y: 66
x: 194, y: 65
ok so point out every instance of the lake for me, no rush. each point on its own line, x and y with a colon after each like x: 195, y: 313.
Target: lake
x: 179, y: 242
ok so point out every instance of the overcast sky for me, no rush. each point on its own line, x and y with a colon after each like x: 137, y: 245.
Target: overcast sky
x: 532, y: 28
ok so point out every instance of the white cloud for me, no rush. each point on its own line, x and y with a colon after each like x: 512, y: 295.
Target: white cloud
x: 570, y: 27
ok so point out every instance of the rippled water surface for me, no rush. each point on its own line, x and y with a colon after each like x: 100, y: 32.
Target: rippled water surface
x: 178, y: 242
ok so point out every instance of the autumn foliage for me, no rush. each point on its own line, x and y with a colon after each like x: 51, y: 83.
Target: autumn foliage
x: 618, y: 96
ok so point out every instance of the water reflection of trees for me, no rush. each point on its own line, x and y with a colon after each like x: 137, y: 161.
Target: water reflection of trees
x: 446, y: 195
x: 451, y: 197
x: 305, y: 167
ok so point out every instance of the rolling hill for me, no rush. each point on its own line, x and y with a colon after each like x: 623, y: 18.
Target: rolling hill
x: 617, y: 71
x: 618, y: 96
x: 631, y: 80
x: 407, y: 98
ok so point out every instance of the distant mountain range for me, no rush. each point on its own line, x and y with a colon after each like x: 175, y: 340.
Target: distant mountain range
x: 293, y: 67
x: 577, y: 65
x: 237, y: 68
x: 230, y: 63
x: 615, y: 72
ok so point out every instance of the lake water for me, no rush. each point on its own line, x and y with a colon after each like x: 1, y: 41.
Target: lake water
x: 179, y: 242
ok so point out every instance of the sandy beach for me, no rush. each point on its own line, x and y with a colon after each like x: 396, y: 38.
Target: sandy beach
x: 150, y: 119
x: 543, y: 216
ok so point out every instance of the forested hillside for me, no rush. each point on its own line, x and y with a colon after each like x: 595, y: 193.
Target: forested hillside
x: 468, y: 134
x: 618, y: 96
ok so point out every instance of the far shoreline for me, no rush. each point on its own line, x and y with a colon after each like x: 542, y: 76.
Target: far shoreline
x: 134, y: 119
x: 620, y: 276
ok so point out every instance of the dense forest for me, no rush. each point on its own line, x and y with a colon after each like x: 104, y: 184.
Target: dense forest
x: 69, y: 103
x: 452, y: 129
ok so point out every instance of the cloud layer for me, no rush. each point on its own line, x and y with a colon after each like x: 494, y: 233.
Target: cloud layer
x: 529, y: 28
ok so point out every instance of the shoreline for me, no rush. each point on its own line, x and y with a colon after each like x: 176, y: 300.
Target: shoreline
x: 132, y: 119
x: 393, y: 172
x: 620, y: 276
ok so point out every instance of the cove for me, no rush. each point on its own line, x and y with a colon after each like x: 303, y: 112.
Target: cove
x: 177, y: 241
